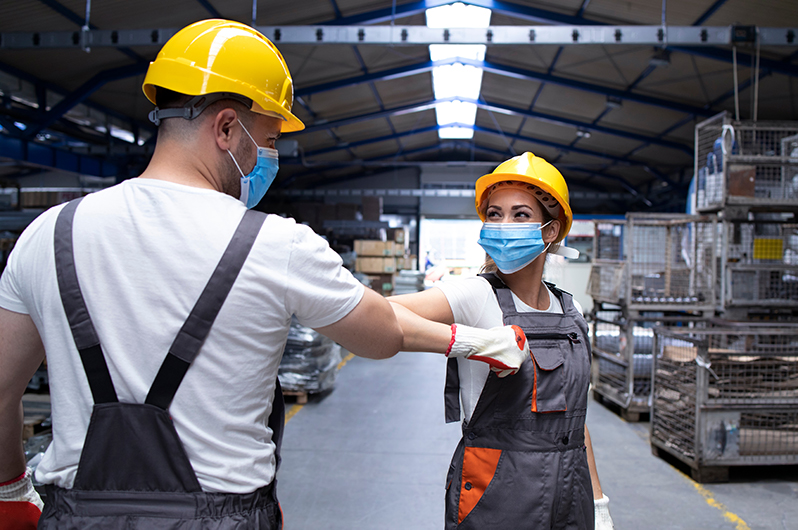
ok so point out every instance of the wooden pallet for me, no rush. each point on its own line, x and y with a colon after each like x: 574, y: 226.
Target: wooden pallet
x: 301, y: 396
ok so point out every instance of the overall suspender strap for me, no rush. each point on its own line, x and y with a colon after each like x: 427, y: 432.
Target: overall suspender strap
x: 86, y: 340
x: 451, y: 392
x: 195, y: 329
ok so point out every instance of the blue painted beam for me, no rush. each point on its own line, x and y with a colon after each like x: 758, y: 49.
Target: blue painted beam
x: 582, y: 9
x: 508, y: 8
x: 335, y: 8
x: 210, y: 9
x: 83, y: 92
x: 709, y: 12
x: 564, y: 147
x: 510, y: 71
x: 520, y: 73
x: 64, y: 11
x: 383, y: 75
x: 589, y: 126
x: 322, y: 125
x: 45, y: 155
x: 25, y: 76
x: 386, y: 14
x: 349, y: 145
x: 719, y: 54
x: 549, y: 143
x: 742, y: 86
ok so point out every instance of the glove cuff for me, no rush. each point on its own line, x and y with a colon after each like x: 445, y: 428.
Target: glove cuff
x: 602, y: 512
x: 603, y: 501
x: 16, y: 488
x: 21, y: 489
x: 465, y: 340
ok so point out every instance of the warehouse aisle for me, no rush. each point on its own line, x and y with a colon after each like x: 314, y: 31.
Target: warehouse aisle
x: 373, y: 454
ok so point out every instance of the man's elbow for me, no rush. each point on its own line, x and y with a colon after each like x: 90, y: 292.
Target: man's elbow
x: 391, y: 343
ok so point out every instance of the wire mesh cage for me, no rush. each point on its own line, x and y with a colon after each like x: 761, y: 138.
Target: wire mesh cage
x: 746, y: 163
x: 662, y: 261
x: 622, y: 343
x: 760, y: 263
x: 726, y: 396
x: 607, y: 270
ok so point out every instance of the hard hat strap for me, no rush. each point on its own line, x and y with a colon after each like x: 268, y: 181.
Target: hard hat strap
x: 195, y: 106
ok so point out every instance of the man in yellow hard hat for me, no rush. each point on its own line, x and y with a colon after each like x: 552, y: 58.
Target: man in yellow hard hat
x: 164, y: 304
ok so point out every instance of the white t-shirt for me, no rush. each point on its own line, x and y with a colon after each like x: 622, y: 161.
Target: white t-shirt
x: 144, y: 250
x: 474, y: 303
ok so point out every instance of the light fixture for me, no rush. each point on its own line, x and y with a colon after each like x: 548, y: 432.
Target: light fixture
x: 661, y: 57
x: 457, y: 80
x: 583, y: 133
x: 614, y: 102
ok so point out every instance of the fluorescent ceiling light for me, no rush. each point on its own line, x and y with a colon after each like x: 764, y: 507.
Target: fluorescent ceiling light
x: 455, y: 133
x: 456, y: 112
x: 457, y: 80
x: 458, y: 15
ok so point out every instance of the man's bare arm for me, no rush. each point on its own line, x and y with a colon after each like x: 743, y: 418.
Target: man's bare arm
x: 369, y: 330
x: 21, y: 353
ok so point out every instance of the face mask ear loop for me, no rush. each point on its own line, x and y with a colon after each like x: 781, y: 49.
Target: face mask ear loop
x: 246, y: 131
x: 236, y: 163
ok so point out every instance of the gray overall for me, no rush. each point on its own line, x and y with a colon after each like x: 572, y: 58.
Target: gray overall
x: 522, y: 461
x: 133, y: 471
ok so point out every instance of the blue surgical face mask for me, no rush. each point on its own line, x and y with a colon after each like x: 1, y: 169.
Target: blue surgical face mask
x: 512, y: 246
x: 257, y: 182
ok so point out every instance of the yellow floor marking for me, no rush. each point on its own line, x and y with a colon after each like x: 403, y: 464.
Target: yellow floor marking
x: 296, y: 408
x: 292, y: 412
x: 734, y: 518
x: 346, y: 360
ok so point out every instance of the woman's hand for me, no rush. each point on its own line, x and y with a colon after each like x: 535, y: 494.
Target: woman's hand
x: 504, y: 348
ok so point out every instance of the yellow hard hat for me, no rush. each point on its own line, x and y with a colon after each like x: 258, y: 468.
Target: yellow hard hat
x: 529, y: 169
x: 213, y: 56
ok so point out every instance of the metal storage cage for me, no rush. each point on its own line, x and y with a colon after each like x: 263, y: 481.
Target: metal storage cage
x: 760, y: 264
x: 622, y: 342
x: 651, y: 262
x: 746, y: 163
x: 725, y: 396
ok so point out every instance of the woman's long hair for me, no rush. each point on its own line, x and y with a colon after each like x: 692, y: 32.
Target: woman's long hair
x: 490, y: 265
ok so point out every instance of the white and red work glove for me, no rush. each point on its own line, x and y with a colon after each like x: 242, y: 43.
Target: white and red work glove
x: 20, y: 505
x: 602, y: 513
x: 504, y: 348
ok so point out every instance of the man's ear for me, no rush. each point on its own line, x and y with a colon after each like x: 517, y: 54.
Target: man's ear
x: 225, y: 128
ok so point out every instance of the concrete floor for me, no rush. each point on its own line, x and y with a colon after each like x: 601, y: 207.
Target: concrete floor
x: 373, y: 454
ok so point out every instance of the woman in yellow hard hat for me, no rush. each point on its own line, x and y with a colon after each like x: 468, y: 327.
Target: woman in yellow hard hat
x: 525, y: 459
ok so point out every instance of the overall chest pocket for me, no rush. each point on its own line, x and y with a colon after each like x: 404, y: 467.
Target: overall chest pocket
x: 549, y: 379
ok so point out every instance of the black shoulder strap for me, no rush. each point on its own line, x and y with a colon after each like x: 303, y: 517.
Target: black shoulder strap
x: 451, y: 392
x: 559, y: 293
x: 195, y: 329
x: 83, y: 332
x: 494, y: 280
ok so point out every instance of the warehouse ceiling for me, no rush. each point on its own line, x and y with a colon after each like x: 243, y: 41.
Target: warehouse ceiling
x: 610, y: 91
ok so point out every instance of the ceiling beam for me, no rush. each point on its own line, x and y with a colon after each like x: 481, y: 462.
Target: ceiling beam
x: 414, y: 8
x: 83, y: 92
x: 604, y: 156
x: 47, y: 156
x: 25, y: 76
x: 709, y: 12
x: 212, y: 11
x: 510, y: 71
x: 64, y: 11
x: 503, y: 109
